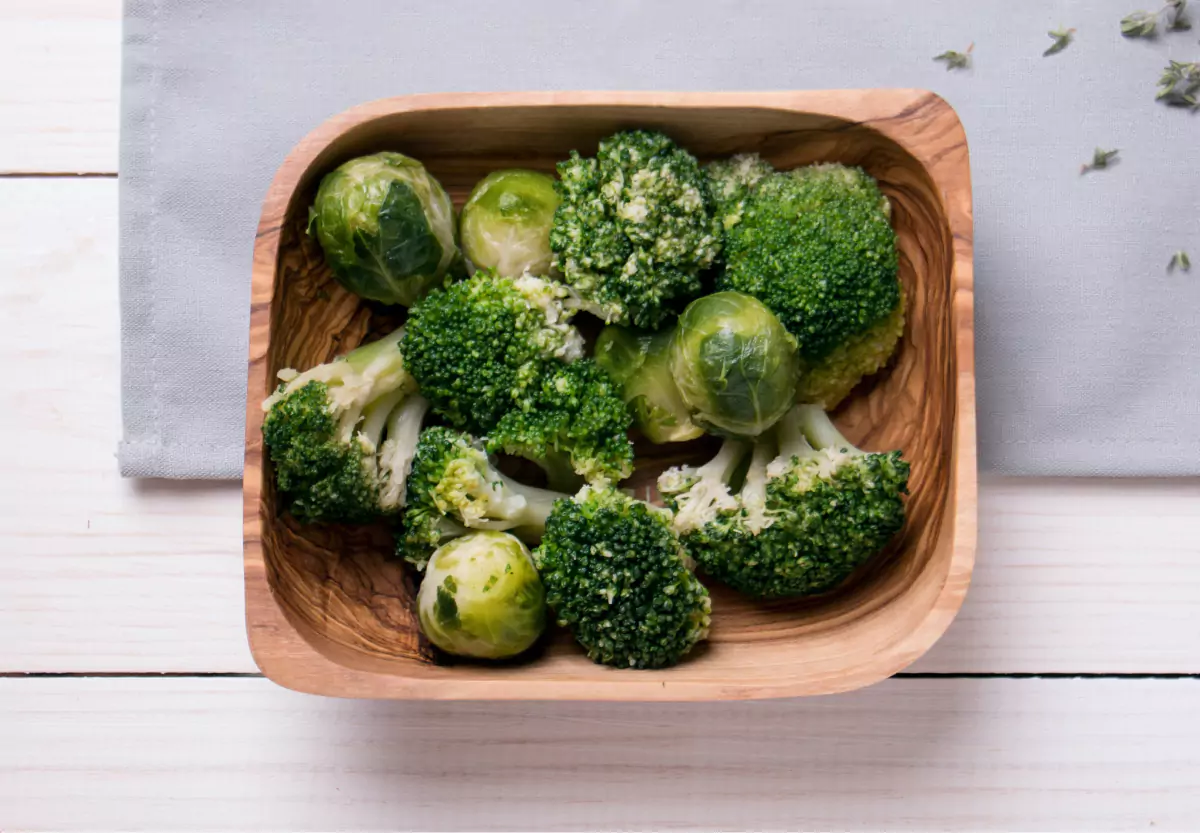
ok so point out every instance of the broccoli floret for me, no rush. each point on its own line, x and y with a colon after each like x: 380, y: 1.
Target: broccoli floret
x: 828, y: 381
x: 341, y: 435
x: 801, y: 522
x: 616, y: 575
x: 635, y: 228
x: 731, y: 181
x: 574, y: 423
x: 453, y: 487
x: 816, y: 246
x: 477, y: 346
x: 734, y: 536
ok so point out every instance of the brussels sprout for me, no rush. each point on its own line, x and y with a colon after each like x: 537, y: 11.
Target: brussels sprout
x: 640, y: 363
x: 387, y: 228
x: 506, y: 222
x: 734, y: 363
x: 482, y: 597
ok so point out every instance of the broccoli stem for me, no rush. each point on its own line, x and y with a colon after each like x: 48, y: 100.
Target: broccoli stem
x: 560, y: 474
x: 723, y: 465
x: 790, y: 435
x: 819, y: 429
x: 385, y: 353
x: 396, y: 454
x: 374, y: 419
x: 754, y: 491
x: 710, y: 493
x: 518, y: 508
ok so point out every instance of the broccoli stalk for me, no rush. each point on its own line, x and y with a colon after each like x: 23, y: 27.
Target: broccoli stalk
x: 807, y: 434
x: 696, y: 494
x: 753, y: 496
x: 339, y: 435
x: 396, y: 453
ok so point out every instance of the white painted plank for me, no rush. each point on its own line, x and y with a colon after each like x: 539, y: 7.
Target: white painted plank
x: 100, y: 573
x: 905, y: 755
x: 61, y: 65
x: 107, y: 575
x: 1077, y: 575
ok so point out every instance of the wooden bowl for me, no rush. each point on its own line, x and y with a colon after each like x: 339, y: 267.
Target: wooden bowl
x: 330, y: 611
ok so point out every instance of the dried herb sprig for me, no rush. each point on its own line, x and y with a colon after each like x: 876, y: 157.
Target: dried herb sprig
x: 1180, y: 84
x: 956, y: 60
x: 1145, y: 24
x: 1100, y: 160
x: 1140, y: 25
x: 1175, y: 13
x: 1062, y: 39
x: 1180, y: 261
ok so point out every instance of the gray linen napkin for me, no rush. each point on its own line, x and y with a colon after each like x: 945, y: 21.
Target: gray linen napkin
x: 1088, y: 351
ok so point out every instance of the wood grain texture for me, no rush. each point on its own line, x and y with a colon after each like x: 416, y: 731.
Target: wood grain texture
x: 106, y: 575
x: 312, y: 630
x: 952, y: 755
x: 61, y: 60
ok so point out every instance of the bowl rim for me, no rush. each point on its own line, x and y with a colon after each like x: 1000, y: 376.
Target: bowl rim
x: 286, y: 657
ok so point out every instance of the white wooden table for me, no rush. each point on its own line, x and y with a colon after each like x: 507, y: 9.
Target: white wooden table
x: 1065, y: 696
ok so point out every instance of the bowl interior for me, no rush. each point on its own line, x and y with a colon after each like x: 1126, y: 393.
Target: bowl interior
x: 351, y: 601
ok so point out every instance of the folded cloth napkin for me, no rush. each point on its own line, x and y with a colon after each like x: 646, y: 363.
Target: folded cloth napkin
x: 1088, y: 349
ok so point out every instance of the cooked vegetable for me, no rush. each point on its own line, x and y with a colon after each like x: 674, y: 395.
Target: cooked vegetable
x: 476, y: 347
x: 481, y: 597
x: 635, y: 229
x: 616, y: 575
x: 341, y: 436
x: 801, y: 523
x: 816, y: 246
x: 573, y: 423
x: 454, y: 487
x: 505, y: 224
x: 640, y: 363
x: 731, y: 181
x: 734, y: 363
x: 828, y: 381
x: 387, y: 228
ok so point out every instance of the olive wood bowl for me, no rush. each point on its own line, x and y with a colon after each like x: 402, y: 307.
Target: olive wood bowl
x: 330, y: 611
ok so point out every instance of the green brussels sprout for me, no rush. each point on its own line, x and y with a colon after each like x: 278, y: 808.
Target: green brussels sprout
x: 505, y: 225
x: 387, y: 228
x: 640, y: 363
x: 735, y: 364
x: 482, y: 597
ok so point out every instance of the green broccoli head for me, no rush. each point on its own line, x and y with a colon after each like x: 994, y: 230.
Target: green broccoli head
x: 816, y: 246
x: 616, y: 575
x: 842, y: 504
x: 453, y: 487
x: 730, y: 183
x: 635, y: 228
x: 340, y: 436
x: 826, y: 382
x: 573, y: 421
x: 803, y: 519
x: 476, y: 347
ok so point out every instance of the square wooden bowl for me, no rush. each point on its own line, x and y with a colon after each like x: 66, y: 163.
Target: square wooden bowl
x: 330, y: 611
